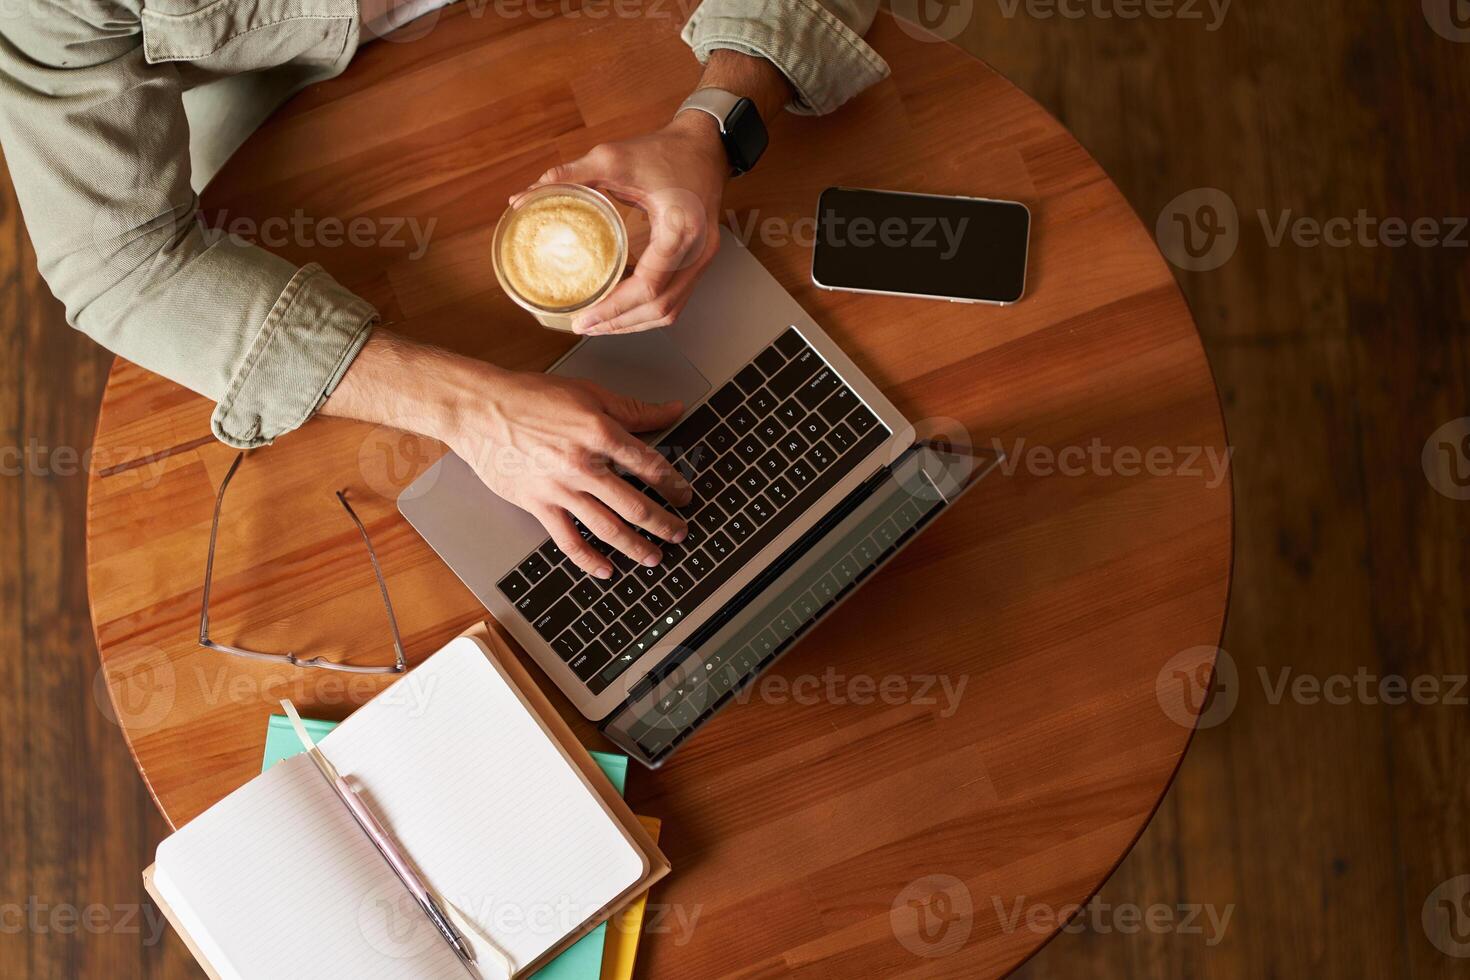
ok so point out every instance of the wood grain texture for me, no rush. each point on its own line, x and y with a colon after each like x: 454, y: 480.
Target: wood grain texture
x: 74, y: 819
x: 794, y: 827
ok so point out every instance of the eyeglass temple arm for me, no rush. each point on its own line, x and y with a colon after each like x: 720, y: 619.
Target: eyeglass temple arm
x: 402, y: 661
x: 209, y: 562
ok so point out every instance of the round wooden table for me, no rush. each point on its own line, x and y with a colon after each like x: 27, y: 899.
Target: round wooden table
x: 986, y: 732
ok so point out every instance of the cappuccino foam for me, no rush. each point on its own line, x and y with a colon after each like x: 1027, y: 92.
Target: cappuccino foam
x: 558, y: 251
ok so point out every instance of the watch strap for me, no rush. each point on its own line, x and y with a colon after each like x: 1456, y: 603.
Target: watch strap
x: 715, y: 101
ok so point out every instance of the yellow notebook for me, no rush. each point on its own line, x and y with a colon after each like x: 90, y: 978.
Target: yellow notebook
x: 620, y: 945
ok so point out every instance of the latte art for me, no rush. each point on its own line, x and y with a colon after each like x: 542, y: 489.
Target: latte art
x: 558, y: 251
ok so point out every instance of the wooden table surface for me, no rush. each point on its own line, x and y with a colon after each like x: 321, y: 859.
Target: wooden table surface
x: 940, y: 768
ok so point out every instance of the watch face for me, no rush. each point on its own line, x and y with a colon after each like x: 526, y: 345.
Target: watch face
x: 745, y: 136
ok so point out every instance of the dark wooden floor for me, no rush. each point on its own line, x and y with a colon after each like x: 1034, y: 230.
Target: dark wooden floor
x: 1321, y: 829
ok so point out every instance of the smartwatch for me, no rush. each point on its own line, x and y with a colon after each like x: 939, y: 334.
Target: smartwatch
x: 741, y: 129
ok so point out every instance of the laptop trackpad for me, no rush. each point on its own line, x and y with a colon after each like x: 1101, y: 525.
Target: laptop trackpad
x: 648, y: 366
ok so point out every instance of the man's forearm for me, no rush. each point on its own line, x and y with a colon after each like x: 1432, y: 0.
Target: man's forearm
x: 410, y: 386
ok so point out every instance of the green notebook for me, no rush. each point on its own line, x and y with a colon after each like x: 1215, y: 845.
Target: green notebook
x: 581, y: 961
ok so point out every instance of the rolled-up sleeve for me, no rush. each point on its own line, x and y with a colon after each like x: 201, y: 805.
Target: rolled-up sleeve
x: 817, y: 45
x: 97, y: 145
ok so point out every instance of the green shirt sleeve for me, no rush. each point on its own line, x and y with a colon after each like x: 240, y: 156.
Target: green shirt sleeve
x: 97, y: 144
x: 817, y: 45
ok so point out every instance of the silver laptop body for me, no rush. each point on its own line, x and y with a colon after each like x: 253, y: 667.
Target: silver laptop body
x: 804, y: 452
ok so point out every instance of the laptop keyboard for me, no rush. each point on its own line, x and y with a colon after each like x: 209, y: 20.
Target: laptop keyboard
x: 758, y: 453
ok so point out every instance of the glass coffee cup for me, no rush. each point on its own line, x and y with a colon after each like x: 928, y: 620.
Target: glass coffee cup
x: 558, y: 250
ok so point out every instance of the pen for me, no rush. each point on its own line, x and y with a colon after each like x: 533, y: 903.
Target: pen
x: 376, y: 833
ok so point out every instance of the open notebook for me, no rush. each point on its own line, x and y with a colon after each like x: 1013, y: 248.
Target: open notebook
x: 485, y: 788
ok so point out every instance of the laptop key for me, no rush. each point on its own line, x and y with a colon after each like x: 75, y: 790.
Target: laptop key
x: 609, y: 607
x: 727, y: 399
x: 551, y: 588
x: 749, y: 450
x: 720, y: 546
x: 629, y: 590
x: 649, y: 574
x: 762, y: 402
x: 841, y: 437
x: 770, y: 360
x: 658, y: 600
x: 780, y: 492
x: 821, y: 455
x: 711, y: 518
x: 694, y: 536
x: 741, y: 420
x: 567, y: 645
x: 698, y: 565
x: 551, y: 552
x: 816, y: 390
x: 588, y: 626
x: 862, y: 420
x: 732, y: 498
x: 752, y: 481
x: 793, y: 445
x: 720, y: 438
x: 770, y: 431
x: 790, y: 342
x: 590, y: 661
x: 585, y: 592
x: 707, y: 485
x: 773, y: 463
x: 701, y: 457
x: 729, y: 467
x: 616, y: 636
x: 790, y: 412
x: 514, y: 585
x: 636, y: 619
x: 750, y: 378
x: 739, y: 527
x: 758, y: 511
x: 678, y: 582
x: 813, y: 427
x: 801, y: 474
x: 838, y: 404
x: 795, y: 374
x: 534, y: 568
x: 557, y: 618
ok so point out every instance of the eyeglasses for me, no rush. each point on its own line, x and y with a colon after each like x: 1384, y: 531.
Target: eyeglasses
x: 399, y: 666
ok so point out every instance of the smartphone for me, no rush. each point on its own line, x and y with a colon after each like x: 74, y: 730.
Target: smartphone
x: 963, y: 249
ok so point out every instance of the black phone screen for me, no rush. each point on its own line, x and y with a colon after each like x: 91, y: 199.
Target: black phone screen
x: 921, y: 244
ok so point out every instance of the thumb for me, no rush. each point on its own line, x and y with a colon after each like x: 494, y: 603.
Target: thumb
x: 641, y: 416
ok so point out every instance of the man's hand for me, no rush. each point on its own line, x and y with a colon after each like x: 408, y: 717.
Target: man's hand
x: 546, y: 444
x: 676, y: 174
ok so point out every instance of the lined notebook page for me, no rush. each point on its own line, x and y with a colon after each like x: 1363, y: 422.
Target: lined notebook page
x: 279, y: 881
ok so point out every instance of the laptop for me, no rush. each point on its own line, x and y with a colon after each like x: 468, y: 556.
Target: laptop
x: 806, y: 480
